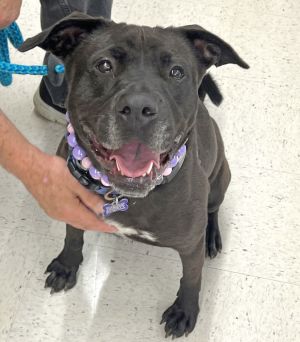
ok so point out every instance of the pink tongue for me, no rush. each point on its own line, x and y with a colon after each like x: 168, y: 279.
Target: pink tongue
x: 134, y: 159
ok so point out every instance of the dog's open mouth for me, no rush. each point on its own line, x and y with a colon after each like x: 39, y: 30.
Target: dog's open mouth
x: 133, y: 160
x: 133, y: 169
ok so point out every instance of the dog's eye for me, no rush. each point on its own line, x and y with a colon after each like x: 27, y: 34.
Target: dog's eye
x: 177, y: 72
x: 104, y: 66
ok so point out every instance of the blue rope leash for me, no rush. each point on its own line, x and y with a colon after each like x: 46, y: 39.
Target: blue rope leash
x: 13, y: 34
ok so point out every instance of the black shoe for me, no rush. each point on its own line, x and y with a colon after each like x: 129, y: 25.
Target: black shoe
x: 44, y: 106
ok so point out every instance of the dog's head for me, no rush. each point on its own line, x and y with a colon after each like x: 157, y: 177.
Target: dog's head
x: 133, y: 91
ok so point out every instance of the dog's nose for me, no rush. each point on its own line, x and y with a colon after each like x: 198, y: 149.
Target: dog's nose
x: 138, y: 106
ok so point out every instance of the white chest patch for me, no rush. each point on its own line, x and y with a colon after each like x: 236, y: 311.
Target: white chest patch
x: 129, y: 231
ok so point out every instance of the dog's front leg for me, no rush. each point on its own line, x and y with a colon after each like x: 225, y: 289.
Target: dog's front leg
x: 181, y: 317
x: 63, y: 269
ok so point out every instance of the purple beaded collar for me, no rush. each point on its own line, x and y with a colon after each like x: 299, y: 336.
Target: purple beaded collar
x: 81, y: 168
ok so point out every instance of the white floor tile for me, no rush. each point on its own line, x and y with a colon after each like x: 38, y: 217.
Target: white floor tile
x: 18, y: 255
x: 215, y: 18
x: 288, y: 8
x: 260, y: 224
x: 269, y: 44
x: 116, y: 300
x: 264, y: 131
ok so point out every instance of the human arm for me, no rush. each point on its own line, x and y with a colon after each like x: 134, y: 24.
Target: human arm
x: 49, y: 181
x: 9, y: 11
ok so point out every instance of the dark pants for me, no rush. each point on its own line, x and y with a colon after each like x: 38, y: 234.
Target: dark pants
x: 51, y: 12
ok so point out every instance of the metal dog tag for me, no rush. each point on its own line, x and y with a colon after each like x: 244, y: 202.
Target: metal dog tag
x: 110, y: 208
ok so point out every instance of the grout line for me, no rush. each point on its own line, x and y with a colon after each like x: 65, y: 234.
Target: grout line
x: 255, y: 276
x: 173, y: 259
x: 21, y: 297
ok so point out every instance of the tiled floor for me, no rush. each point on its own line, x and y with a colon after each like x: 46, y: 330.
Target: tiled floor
x: 251, y: 291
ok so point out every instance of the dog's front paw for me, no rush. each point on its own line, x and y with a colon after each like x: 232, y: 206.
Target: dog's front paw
x: 180, y: 319
x: 61, y: 276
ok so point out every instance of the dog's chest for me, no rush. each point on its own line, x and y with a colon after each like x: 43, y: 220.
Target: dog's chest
x: 131, y: 232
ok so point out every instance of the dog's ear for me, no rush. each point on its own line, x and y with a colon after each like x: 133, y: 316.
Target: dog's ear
x: 209, y: 48
x: 65, y: 35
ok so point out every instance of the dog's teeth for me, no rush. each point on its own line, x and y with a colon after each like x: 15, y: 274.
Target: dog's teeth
x: 144, y: 174
x: 118, y: 167
x: 150, y: 168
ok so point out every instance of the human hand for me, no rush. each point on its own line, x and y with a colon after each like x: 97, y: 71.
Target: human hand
x: 9, y: 11
x: 62, y: 196
x: 49, y: 181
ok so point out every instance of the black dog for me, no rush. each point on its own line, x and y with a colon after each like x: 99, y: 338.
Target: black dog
x: 133, y: 102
